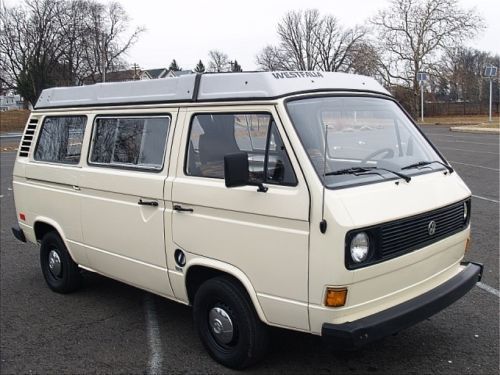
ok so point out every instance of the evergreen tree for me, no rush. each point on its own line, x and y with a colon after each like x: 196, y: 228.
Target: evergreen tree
x: 173, y: 66
x: 235, y: 67
x: 200, y: 68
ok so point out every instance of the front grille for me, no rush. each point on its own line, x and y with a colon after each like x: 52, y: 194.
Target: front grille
x: 399, y: 237
x: 29, y: 133
x: 405, y: 235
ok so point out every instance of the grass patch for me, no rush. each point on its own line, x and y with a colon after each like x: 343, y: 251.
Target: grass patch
x: 14, y: 120
x: 461, y: 120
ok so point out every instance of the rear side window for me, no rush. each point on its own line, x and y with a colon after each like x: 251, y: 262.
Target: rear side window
x: 131, y: 142
x: 60, y: 139
x: 212, y: 136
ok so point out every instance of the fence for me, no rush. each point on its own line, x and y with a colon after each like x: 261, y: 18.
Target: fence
x: 459, y: 108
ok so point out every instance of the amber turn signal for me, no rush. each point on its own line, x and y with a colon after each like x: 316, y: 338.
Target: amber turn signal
x: 335, y: 297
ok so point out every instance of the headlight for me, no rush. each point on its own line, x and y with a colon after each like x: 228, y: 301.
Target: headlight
x: 360, y: 244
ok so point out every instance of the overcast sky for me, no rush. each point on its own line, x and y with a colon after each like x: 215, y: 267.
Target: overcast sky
x: 187, y: 30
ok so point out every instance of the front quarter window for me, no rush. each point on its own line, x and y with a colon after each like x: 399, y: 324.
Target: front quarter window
x: 367, y: 136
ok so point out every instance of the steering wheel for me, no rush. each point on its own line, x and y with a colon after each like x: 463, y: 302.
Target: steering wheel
x: 389, y: 153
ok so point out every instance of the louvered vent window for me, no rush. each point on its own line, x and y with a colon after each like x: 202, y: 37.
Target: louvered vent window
x: 28, y: 138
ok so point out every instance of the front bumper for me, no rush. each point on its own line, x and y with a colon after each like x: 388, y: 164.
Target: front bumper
x: 374, y: 327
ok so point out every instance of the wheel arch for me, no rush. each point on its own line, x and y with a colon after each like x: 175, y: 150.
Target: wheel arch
x: 43, y: 225
x: 200, y: 270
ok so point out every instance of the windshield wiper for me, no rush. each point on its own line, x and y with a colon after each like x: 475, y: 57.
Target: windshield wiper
x: 424, y: 163
x: 362, y: 170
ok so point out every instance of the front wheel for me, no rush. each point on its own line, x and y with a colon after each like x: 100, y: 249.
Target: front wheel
x: 60, y: 271
x: 228, y: 325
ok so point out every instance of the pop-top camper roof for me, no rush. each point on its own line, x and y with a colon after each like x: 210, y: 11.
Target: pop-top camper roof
x: 206, y: 87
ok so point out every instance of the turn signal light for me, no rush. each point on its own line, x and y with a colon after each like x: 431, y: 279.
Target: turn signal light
x: 335, y: 297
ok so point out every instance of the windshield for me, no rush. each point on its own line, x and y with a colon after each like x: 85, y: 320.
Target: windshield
x: 368, y: 139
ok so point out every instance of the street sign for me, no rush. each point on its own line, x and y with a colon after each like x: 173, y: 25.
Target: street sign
x: 490, y: 71
x: 421, y: 76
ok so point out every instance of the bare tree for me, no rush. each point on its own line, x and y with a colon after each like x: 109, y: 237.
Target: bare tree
x: 30, y: 47
x: 309, y: 41
x: 47, y: 43
x: 461, y: 74
x: 413, y: 33
x: 271, y: 59
x: 297, y: 32
x: 219, y: 61
x: 107, y: 26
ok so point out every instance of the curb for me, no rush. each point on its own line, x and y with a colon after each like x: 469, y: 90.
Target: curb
x: 477, y: 130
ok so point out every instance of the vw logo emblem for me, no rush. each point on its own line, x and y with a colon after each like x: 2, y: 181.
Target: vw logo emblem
x: 431, y: 228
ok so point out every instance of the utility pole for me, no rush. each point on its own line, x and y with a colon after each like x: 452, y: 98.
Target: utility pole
x: 135, y: 67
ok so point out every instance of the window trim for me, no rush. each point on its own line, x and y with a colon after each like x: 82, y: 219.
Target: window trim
x: 126, y: 166
x: 39, y: 135
x: 258, y: 112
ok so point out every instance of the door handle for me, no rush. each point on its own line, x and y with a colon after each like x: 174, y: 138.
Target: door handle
x: 179, y: 208
x: 147, y: 203
x: 76, y: 187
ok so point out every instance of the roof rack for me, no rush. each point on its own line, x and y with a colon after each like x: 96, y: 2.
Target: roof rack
x: 206, y: 87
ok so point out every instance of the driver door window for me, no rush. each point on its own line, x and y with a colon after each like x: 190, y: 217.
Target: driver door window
x: 212, y: 136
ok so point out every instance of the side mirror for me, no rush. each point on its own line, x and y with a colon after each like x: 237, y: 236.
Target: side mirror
x: 236, y: 169
x: 236, y: 172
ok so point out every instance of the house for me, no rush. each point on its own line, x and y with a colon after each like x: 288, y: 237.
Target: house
x: 178, y: 73
x: 119, y: 76
x: 157, y: 73
x: 11, y: 101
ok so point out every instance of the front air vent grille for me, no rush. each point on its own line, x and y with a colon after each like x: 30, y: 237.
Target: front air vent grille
x: 29, y: 133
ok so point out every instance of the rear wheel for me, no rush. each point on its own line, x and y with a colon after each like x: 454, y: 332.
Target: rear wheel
x: 228, y: 325
x: 60, y: 271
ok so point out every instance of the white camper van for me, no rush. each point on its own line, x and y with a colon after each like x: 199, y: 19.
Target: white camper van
x: 304, y: 200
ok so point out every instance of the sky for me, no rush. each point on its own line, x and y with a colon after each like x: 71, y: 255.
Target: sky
x: 187, y: 31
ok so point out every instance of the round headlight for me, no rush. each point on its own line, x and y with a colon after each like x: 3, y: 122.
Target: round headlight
x: 360, y: 244
x: 465, y: 211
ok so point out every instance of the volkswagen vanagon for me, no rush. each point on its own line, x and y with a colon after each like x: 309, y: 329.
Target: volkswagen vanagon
x: 304, y: 200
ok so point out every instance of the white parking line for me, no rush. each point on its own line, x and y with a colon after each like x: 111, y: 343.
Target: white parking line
x: 474, y: 165
x: 474, y: 143
x: 153, y: 334
x: 486, y: 199
x: 461, y: 149
x: 488, y: 289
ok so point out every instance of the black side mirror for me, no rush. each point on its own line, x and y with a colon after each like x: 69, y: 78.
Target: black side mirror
x: 236, y: 169
x: 236, y: 172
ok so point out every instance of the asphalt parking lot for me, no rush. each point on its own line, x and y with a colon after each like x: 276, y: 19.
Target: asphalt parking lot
x: 109, y: 327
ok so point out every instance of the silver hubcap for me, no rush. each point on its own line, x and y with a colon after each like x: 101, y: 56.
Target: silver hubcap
x: 54, y: 263
x: 221, y: 325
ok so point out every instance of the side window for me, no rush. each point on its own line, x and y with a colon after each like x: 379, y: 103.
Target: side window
x: 60, y: 139
x: 133, y: 142
x: 212, y: 136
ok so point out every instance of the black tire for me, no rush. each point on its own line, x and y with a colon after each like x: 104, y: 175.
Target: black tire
x: 250, y: 338
x: 63, y: 279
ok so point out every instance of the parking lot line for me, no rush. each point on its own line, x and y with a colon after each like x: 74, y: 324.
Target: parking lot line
x: 474, y: 165
x: 486, y: 199
x: 153, y: 333
x: 459, y: 141
x: 488, y: 289
x: 474, y: 151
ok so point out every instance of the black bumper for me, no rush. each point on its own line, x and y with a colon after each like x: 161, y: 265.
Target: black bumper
x: 18, y: 233
x: 355, y: 334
